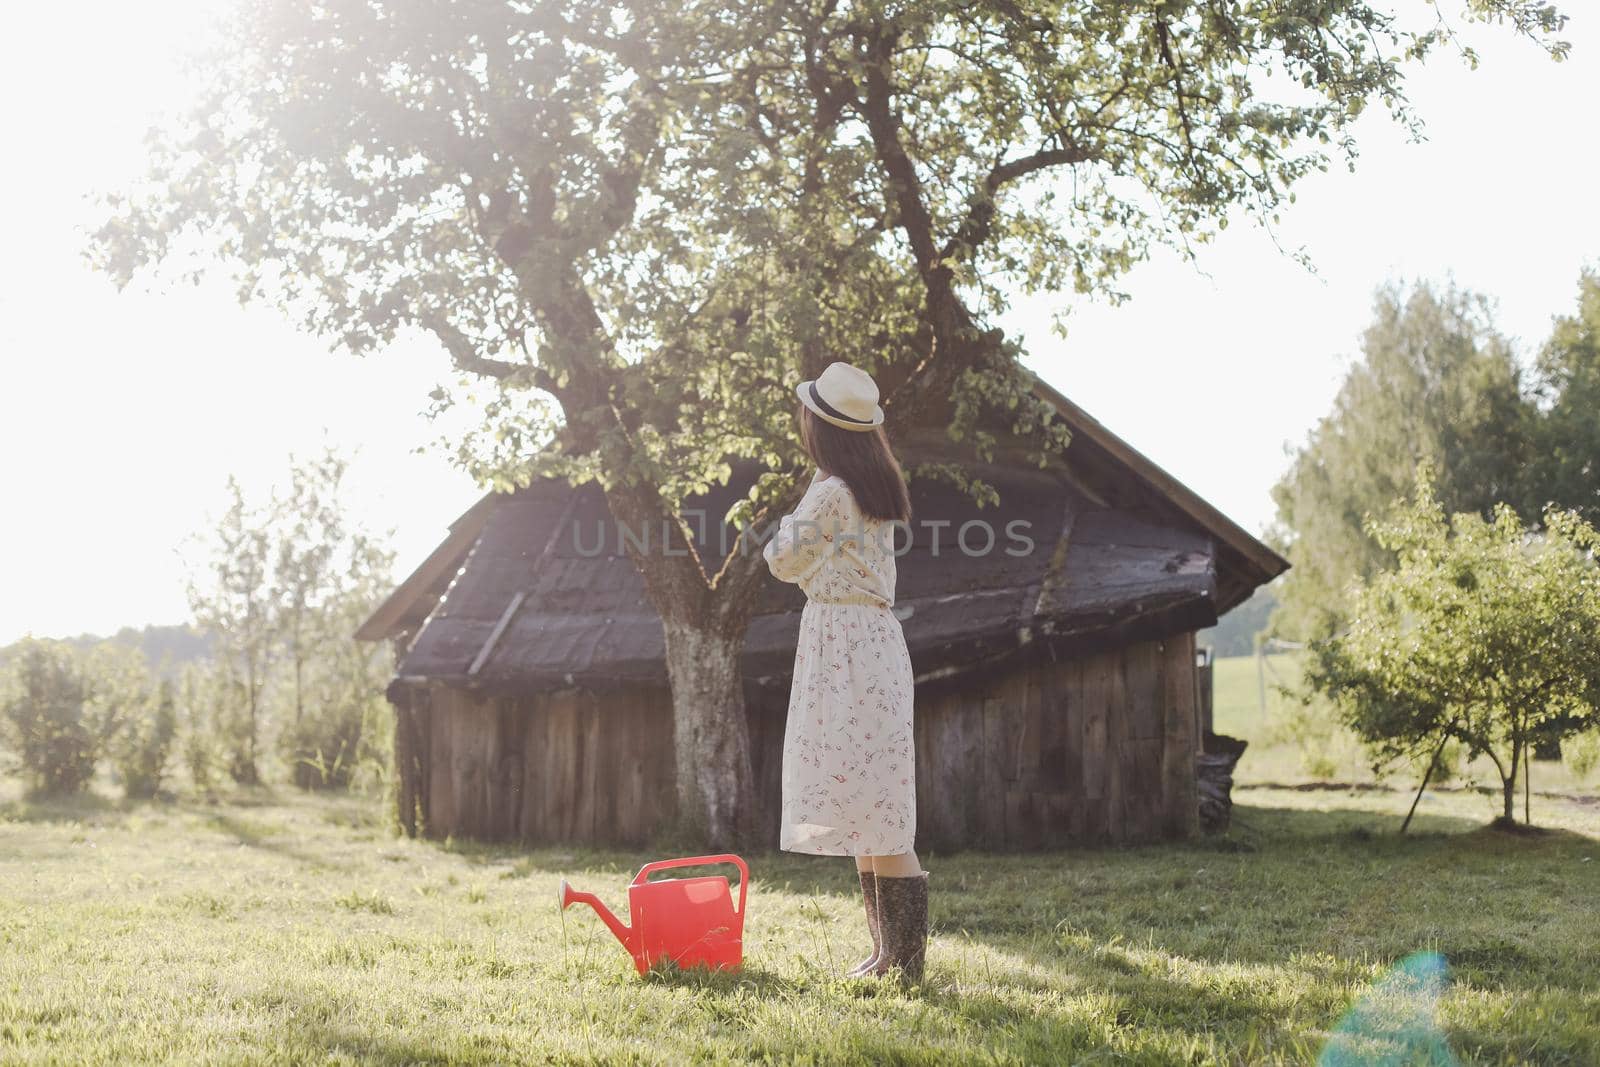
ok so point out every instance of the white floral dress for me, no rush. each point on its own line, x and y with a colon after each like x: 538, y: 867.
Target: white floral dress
x: 849, y: 778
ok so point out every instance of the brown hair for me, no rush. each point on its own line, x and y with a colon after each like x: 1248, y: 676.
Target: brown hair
x: 862, y: 458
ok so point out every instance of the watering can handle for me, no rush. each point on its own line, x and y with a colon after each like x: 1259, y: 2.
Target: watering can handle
x: 699, y: 861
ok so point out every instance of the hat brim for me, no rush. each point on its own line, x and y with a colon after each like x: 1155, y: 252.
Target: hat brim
x: 803, y: 391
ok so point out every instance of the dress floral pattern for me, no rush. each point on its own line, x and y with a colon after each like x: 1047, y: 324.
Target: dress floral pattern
x: 849, y: 776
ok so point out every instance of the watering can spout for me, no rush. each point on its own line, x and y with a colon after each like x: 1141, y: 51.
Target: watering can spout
x: 624, y: 934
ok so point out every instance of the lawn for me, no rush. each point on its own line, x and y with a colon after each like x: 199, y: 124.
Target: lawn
x: 281, y: 928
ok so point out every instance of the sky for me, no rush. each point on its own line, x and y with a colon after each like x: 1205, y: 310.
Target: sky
x: 122, y: 414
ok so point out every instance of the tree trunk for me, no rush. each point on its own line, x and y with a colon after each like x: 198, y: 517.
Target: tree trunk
x: 704, y: 623
x: 1509, y: 782
x: 711, y: 736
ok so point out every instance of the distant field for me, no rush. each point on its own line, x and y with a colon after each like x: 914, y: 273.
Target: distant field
x: 1274, y: 757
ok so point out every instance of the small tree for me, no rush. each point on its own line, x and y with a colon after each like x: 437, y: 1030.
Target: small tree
x: 233, y: 605
x: 328, y: 576
x: 198, y: 722
x: 344, y: 729
x: 1484, y: 633
x: 307, y: 529
x: 132, y: 714
x: 45, y: 721
x: 142, y: 743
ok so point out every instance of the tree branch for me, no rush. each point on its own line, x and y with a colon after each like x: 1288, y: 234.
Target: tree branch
x: 978, y: 225
x: 905, y: 197
x: 464, y: 353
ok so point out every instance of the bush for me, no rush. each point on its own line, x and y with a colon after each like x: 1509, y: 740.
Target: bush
x: 1327, y: 747
x: 142, y: 744
x: 339, y: 729
x: 217, y: 731
x: 47, y: 723
x: 124, y: 704
x: 197, y: 725
x: 322, y: 747
x: 341, y: 745
x: 233, y: 723
x: 1581, y: 752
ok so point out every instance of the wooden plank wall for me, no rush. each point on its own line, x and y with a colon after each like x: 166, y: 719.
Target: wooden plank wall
x: 1096, y: 749
x: 562, y: 766
x: 411, y: 743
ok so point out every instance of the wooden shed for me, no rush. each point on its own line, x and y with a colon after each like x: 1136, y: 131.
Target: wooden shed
x: 1057, y: 688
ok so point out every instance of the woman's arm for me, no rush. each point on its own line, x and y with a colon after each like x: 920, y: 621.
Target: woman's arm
x: 805, y: 536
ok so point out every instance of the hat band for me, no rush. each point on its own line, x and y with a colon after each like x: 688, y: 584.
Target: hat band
x: 833, y: 412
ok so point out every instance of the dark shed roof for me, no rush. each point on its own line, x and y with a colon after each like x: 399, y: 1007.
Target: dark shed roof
x: 1120, y: 551
x: 1059, y: 566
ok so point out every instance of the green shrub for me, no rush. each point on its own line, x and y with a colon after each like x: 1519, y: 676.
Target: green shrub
x: 46, y: 719
x: 197, y: 732
x: 339, y: 731
x: 322, y: 748
x: 123, y: 704
x: 1485, y: 633
x: 1581, y: 752
x: 142, y: 744
x: 235, y: 724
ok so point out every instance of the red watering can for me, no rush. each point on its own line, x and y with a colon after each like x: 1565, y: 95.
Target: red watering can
x: 687, y: 920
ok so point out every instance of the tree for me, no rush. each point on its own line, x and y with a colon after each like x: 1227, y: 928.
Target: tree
x: 231, y: 603
x: 308, y: 528
x: 328, y: 576
x: 1436, y: 382
x: 1485, y: 633
x: 281, y: 592
x: 1567, y: 377
x: 345, y: 733
x: 44, y: 719
x: 142, y: 743
x: 638, y: 223
x: 200, y: 692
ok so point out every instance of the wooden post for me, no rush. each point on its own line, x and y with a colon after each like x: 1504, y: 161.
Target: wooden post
x: 1261, y: 679
x: 405, y: 761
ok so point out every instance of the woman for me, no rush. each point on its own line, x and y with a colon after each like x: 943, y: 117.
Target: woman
x: 849, y: 778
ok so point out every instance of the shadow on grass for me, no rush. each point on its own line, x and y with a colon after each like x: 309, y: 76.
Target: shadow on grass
x: 1286, y: 824
x: 103, y: 811
x: 1276, y: 832
x: 54, y: 809
x: 701, y: 979
x: 88, y: 808
x: 256, y: 835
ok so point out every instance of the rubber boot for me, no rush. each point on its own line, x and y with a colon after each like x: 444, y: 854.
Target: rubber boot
x: 869, y: 894
x: 902, y: 926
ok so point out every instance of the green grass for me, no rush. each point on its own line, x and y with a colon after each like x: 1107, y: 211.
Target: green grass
x: 287, y: 929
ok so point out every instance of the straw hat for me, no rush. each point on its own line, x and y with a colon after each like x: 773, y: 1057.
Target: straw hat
x: 843, y: 395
